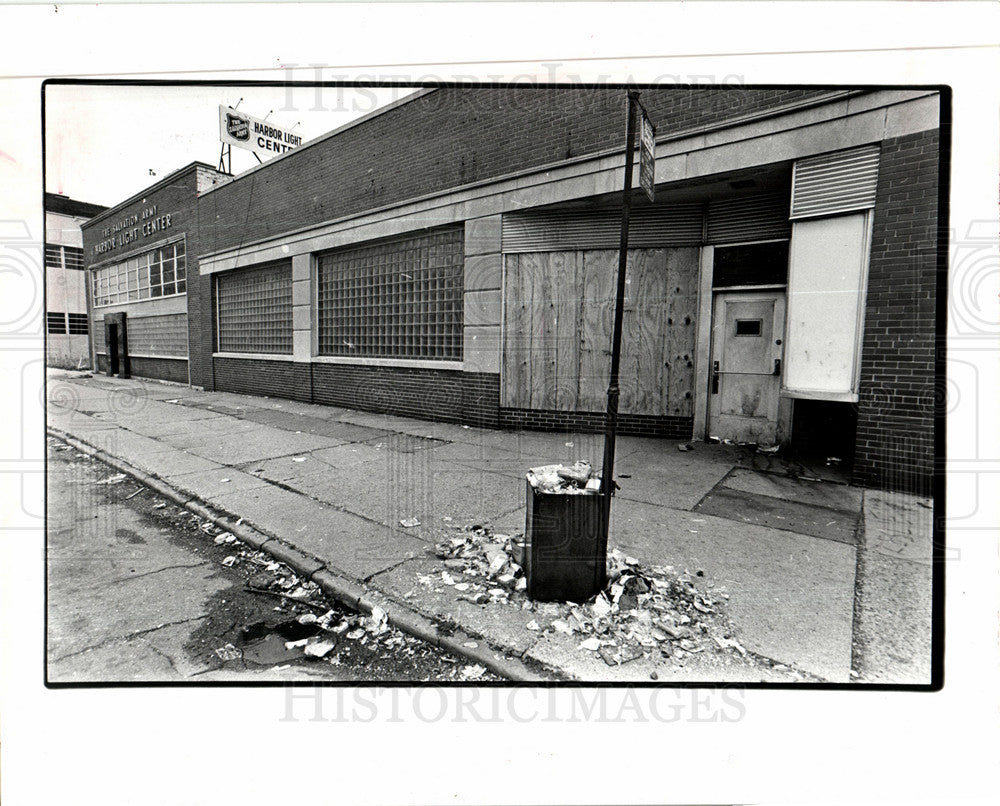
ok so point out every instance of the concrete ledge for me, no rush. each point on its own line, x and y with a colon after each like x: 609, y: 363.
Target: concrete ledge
x: 299, y: 560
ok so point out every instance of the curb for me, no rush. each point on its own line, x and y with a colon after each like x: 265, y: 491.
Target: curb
x: 342, y: 589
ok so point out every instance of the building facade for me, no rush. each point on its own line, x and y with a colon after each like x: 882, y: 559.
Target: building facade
x: 67, y: 336
x: 139, y: 255
x: 453, y: 257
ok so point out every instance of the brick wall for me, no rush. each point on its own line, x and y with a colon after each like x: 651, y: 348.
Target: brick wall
x: 895, y: 434
x: 450, y: 137
x: 635, y: 425
x: 429, y: 394
x: 164, y: 369
x: 177, y: 195
x: 469, y: 398
x: 250, y: 376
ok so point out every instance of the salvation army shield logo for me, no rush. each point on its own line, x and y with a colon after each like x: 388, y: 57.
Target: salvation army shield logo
x: 236, y: 127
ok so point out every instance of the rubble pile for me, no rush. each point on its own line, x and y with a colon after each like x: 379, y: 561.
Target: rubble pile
x: 481, y: 566
x: 643, y: 611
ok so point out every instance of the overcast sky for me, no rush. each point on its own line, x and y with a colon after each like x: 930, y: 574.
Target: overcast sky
x: 102, y: 142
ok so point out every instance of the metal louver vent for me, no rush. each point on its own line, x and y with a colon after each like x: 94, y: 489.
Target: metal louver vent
x: 761, y: 217
x: 835, y: 183
x: 558, y: 230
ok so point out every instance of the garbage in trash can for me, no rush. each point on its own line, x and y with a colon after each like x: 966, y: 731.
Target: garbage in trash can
x: 565, y: 533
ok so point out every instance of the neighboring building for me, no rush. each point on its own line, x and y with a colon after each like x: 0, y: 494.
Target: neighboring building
x: 67, y: 340
x: 139, y: 256
x: 452, y: 257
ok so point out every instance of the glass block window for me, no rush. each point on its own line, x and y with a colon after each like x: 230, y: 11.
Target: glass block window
x: 396, y: 299
x: 59, y: 257
x: 160, y: 272
x: 254, y: 310
x: 55, y: 322
x: 158, y: 335
x: 77, y: 324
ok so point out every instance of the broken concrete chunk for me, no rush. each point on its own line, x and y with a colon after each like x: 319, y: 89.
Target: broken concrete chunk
x: 228, y: 653
x: 319, y: 649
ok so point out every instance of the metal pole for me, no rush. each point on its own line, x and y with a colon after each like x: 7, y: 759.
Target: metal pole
x: 611, y: 419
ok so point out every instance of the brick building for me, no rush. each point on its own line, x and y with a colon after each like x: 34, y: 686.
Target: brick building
x: 452, y: 257
x: 67, y: 337
x: 140, y: 255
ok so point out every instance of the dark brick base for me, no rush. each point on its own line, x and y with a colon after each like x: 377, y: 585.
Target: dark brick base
x: 428, y: 394
x: 635, y: 425
x: 249, y: 376
x: 162, y: 369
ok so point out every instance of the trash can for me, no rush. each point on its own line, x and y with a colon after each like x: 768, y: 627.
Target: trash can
x: 566, y: 542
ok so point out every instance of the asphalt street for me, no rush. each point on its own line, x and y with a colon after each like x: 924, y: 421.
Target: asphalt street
x: 141, y: 590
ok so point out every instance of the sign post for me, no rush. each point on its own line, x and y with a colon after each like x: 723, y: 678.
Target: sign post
x: 647, y: 157
x: 611, y: 418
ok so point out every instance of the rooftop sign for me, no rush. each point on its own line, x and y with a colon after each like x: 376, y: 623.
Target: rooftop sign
x: 245, y: 131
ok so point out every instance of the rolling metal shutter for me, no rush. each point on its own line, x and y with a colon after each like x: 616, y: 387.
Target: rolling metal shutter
x: 762, y: 217
x: 559, y: 230
x: 835, y: 183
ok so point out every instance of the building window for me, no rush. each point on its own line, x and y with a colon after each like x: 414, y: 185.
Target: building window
x: 396, y: 299
x: 77, y: 324
x: 55, y: 322
x: 63, y: 257
x: 160, y: 272
x: 750, y: 264
x: 73, y: 257
x: 254, y: 310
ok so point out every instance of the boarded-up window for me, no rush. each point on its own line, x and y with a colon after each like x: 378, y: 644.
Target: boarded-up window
x: 559, y: 312
x: 255, y: 310
x: 395, y: 299
x: 826, y: 295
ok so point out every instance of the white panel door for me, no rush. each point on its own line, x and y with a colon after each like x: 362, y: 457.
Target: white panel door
x: 747, y: 334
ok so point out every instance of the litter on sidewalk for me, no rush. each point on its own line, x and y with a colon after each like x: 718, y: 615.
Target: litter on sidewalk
x: 651, y: 611
x: 575, y: 479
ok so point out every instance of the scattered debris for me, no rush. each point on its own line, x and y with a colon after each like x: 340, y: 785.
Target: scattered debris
x: 230, y: 561
x: 228, y: 653
x: 685, y: 446
x: 578, y: 478
x: 652, y: 611
x: 141, y: 489
x: 768, y: 451
x: 409, y: 522
x: 118, y: 478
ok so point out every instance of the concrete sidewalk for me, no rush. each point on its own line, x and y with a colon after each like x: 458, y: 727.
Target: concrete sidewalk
x: 336, y: 483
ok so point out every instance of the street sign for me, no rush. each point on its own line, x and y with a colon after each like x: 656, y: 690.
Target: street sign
x: 256, y: 135
x: 647, y: 156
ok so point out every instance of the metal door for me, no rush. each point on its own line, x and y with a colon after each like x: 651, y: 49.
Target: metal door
x: 747, y: 333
